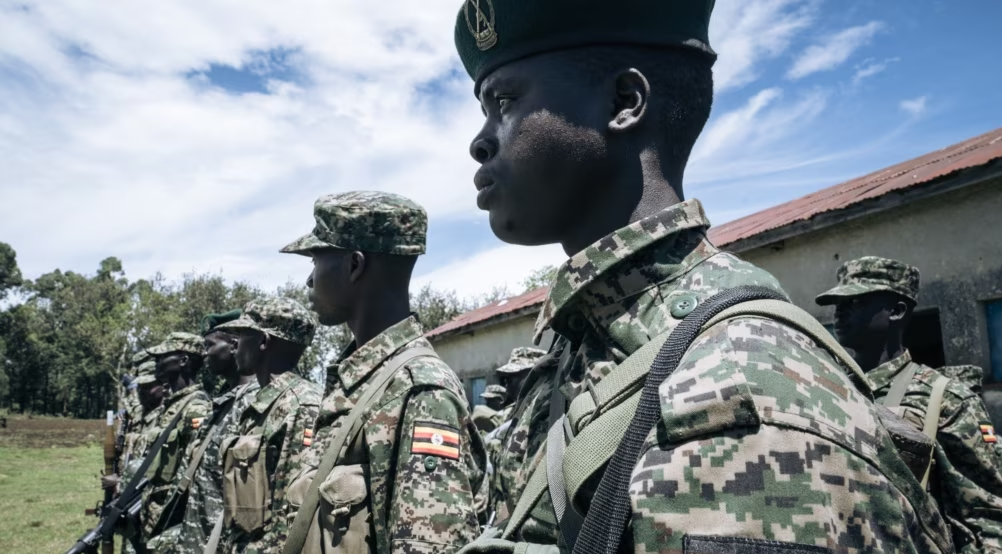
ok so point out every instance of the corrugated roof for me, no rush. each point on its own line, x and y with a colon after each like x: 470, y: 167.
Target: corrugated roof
x: 497, y: 310
x: 924, y: 169
x: 970, y: 153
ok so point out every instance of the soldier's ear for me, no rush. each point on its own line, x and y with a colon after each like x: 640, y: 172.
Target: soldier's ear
x: 898, y: 311
x: 265, y: 339
x: 356, y: 266
x: 632, y: 94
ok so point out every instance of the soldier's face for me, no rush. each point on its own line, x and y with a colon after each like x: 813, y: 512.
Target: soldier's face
x: 151, y: 395
x: 169, y: 367
x: 249, y: 350
x: 863, y: 321
x: 220, y: 348
x: 328, y: 283
x: 542, y: 150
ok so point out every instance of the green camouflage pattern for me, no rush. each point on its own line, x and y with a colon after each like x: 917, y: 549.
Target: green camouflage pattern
x: 367, y: 221
x: 138, y: 438
x: 966, y: 479
x: 419, y: 503
x: 281, y: 412
x: 140, y: 357
x: 146, y: 373
x: 494, y: 391
x: 521, y: 359
x: 276, y: 316
x: 485, y: 418
x: 205, y: 499
x: 872, y: 274
x: 179, y: 342
x: 763, y: 435
x: 167, y: 470
x: 971, y: 376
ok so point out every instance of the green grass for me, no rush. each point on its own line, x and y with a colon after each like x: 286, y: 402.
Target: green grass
x: 43, y: 495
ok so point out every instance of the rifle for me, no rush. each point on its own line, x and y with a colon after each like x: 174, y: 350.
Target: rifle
x: 127, y: 505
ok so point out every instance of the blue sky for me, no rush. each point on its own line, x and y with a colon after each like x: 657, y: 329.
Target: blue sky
x: 195, y: 137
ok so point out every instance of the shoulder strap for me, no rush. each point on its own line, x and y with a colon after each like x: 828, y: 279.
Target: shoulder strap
x: 196, y: 458
x: 931, y: 427
x: 899, y: 387
x: 346, y: 435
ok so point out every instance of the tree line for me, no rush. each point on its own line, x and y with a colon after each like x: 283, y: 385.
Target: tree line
x: 66, y: 337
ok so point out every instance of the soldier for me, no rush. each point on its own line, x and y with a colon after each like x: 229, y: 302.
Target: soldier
x: 204, y: 509
x: 488, y: 416
x: 513, y: 373
x: 178, y: 359
x: 407, y: 483
x: 275, y: 430
x: 762, y: 441
x: 873, y: 302
x: 142, y: 423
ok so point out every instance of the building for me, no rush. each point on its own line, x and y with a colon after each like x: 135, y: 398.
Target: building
x: 939, y: 212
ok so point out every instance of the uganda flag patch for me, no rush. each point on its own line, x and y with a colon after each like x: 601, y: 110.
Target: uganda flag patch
x: 196, y: 422
x: 435, y: 439
x: 308, y: 437
x: 988, y: 432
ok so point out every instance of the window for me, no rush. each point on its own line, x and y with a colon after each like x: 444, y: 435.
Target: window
x: 993, y: 316
x: 477, y: 387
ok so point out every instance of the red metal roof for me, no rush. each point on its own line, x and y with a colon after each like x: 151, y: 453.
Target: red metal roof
x: 492, y: 311
x: 970, y: 153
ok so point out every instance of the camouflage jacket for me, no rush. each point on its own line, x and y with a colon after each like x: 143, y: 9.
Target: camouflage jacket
x: 283, y: 413
x: 168, y: 469
x: 966, y: 479
x: 485, y: 418
x: 205, y: 499
x: 138, y: 437
x: 423, y: 457
x: 762, y: 436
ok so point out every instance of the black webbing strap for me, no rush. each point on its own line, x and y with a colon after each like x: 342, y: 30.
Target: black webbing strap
x: 610, y: 508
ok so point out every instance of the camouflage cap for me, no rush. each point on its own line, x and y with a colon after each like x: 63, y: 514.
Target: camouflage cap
x: 279, y: 317
x: 872, y: 274
x: 368, y: 221
x: 146, y: 374
x: 522, y: 359
x: 140, y: 357
x: 180, y: 342
x: 494, y: 391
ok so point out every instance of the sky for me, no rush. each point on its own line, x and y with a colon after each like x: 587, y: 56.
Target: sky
x: 194, y: 135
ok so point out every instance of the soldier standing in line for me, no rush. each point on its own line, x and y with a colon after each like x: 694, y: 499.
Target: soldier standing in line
x: 873, y: 302
x: 205, y: 501
x: 405, y: 481
x: 143, y: 423
x: 275, y: 430
x: 591, y: 110
x: 179, y: 359
x: 487, y: 416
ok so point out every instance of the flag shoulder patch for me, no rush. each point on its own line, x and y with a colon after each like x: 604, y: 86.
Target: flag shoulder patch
x: 308, y: 437
x: 196, y: 422
x: 435, y: 439
x: 988, y: 432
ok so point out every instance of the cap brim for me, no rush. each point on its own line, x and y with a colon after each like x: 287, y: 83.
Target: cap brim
x: 490, y: 395
x: 842, y: 292
x: 145, y: 379
x: 304, y: 244
x: 237, y: 324
x: 513, y: 368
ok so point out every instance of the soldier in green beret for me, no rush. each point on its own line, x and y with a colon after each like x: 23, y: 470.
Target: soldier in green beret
x: 405, y: 480
x: 591, y: 111
x: 873, y: 303
x: 179, y: 358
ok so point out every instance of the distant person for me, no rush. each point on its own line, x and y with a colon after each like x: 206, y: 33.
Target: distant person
x: 142, y: 422
x: 406, y: 482
x: 874, y: 301
x: 204, y: 508
x: 513, y: 373
x: 179, y: 360
x: 487, y: 416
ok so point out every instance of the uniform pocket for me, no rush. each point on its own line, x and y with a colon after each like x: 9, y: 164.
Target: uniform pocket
x: 344, y: 515
x: 246, y: 487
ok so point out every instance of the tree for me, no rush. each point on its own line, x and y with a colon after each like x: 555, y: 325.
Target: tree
x: 10, y: 275
x: 541, y: 277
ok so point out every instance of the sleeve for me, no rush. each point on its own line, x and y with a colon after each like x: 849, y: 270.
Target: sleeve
x: 438, y: 471
x: 290, y: 440
x: 971, y: 482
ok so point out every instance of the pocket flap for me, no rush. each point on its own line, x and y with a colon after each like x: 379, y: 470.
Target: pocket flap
x: 345, y: 486
x: 246, y: 447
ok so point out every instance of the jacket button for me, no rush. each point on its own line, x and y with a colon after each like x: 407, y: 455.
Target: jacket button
x: 430, y: 463
x: 683, y: 305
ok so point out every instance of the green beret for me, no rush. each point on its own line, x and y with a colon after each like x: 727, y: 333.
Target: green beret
x: 491, y: 33
x: 211, y: 321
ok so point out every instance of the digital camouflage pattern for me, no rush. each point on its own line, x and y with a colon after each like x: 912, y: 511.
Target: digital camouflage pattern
x: 763, y: 435
x: 276, y: 316
x: 872, y: 274
x: 180, y: 342
x: 282, y: 413
x: 205, y: 500
x: 521, y: 359
x: 494, y: 391
x: 366, y: 221
x: 146, y: 373
x: 166, y: 472
x: 419, y: 502
x: 485, y: 418
x: 971, y: 376
x: 966, y: 479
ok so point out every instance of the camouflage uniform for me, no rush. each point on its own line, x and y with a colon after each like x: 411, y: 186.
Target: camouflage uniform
x: 282, y: 414
x: 418, y: 450
x: 139, y: 422
x: 166, y: 473
x: 484, y: 417
x: 966, y: 479
x: 763, y: 436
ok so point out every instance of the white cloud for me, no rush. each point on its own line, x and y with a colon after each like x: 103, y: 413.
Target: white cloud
x: 745, y: 34
x: 834, y: 50
x: 869, y: 68
x: 915, y: 106
x: 504, y: 266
